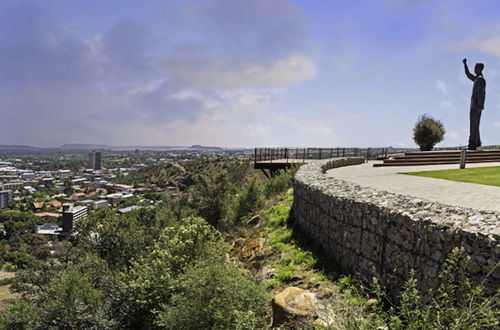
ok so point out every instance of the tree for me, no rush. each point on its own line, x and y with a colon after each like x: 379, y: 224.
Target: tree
x: 249, y: 200
x: 428, y: 132
x: 214, y: 294
x: 151, y: 279
x: 211, y: 197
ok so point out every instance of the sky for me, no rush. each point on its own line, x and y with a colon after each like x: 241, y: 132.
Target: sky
x: 244, y: 73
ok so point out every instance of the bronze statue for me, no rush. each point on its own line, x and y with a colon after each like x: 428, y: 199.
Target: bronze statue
x: 476, y: 102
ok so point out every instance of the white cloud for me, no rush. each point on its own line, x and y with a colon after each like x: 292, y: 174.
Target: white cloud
x: 444, y: 90
x: 442, y: 87
x: 487, y: 43
x: 230, y: 73
x: 452, y: 135
x: 446, y: 104
x: 496, y: 124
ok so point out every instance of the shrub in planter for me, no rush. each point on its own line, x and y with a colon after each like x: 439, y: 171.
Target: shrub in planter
x: 428, y: 132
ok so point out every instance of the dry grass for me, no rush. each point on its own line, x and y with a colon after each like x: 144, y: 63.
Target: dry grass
x: 6, y: 297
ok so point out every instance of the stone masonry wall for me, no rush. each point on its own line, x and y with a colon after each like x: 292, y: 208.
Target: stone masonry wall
x: 385, y: 235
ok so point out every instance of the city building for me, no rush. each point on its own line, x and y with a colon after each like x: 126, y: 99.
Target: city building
x: 37, y: 205
x: 100, y: 204
x: 12, y: 185
x: 28, y: 176
x: 63, y: 173
x: 77, y: 196
x: 114, y: 199
x: 87, y: 202
x: 129, y: 209
x: 72, y: 214
x: 53, y: 203
x: 48, y: 229
x: 95, y: 160
x: 5, y: 198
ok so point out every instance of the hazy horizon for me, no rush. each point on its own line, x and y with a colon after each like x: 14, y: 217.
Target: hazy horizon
x: 243, y: 73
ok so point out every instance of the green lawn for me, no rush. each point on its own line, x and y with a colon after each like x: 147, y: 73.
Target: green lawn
x: 482, y: 175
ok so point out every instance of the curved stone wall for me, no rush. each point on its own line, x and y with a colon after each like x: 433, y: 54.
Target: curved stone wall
x: 385, y: 235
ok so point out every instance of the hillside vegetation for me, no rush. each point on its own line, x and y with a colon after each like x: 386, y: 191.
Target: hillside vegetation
x: 212, y: 257
x: 156, y: 268
x: 184, y: 174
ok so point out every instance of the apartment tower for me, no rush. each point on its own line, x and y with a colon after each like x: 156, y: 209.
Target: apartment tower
x: 95, y: 160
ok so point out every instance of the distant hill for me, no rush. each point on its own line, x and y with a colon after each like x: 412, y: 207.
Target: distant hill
x: 18, y: 147
x: 90, y: 146
x: 83, y: 146
x: 199, y: 147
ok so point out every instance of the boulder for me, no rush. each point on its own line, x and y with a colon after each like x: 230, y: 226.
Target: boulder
x: 292, y: 303
x: 251, y: 248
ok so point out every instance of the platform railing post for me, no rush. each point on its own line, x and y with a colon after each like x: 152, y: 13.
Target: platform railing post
x: 463, y: 156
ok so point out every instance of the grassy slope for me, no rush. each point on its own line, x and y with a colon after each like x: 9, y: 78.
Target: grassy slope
x: 482, y: 175
x: 296, y: 265
x: 347, y: 304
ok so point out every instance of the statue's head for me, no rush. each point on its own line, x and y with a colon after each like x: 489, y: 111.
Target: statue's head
x: 478, y: 69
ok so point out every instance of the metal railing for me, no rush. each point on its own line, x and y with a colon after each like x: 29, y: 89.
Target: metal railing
x: 298, y: 155
x: 303, y: 154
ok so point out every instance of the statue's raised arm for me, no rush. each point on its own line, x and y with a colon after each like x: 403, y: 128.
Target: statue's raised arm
x: 467, y: 72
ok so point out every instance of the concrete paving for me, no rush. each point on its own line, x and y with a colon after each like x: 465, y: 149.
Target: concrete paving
x: 475, y: 196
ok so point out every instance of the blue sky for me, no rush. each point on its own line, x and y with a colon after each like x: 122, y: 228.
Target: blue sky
x: 243, y: 72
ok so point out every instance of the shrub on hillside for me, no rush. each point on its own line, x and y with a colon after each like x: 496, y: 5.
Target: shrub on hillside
x: 279, y: 183
x: 210, y: 197
x: 215, y: 294
x: 428, y: 132
x: 456, y: 304
x: 249, y: 200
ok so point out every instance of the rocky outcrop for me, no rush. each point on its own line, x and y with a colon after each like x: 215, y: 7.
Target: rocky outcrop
x: 251, y: 251
x: 293, y: 303
x: 385, y: 235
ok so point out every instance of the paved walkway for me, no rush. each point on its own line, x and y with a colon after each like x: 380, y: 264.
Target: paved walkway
x: 475, y: 196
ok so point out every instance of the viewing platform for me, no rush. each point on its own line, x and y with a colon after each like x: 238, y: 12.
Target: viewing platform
x: 275, y: 160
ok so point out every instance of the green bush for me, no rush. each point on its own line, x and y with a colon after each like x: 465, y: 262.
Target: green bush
x: 210, y: 197
x: 456, y: 304
x: 20, y: 315
x: 279, y: 183
x: 250, y: 199
x: 152, y: 279
x: 428, y: 132
x: 215, y: 294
